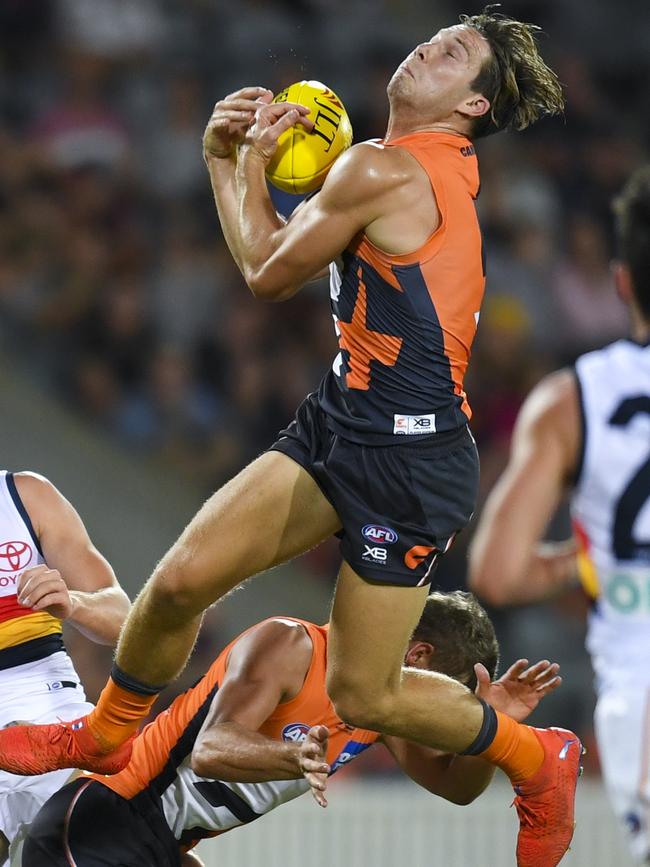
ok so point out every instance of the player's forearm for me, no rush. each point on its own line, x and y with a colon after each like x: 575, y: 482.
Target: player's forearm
x: 516, y: 576
x: 222, y: 177
x: 99, y: 615
x: 232, y: 753
x: 259, y: 226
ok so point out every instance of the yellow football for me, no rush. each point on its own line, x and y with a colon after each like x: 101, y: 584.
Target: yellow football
x: 303, y: 159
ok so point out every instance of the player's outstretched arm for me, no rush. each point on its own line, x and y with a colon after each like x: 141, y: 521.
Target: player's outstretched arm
x: 76, y: 583
x: 461, y: 779
x: 507, y: 563
x: 267, y: 666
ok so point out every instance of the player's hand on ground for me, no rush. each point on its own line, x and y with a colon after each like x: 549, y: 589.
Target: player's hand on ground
x: 230, y: 119
x: 43, y: 589
x: 522, y: 687
x: 271, y: 121
x: 312, y: 761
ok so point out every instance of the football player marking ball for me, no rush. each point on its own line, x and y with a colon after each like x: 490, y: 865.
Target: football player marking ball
x: 302, y: 159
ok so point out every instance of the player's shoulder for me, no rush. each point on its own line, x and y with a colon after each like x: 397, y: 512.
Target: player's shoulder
x: 288, y: 629
x: 31, y: 484
x: 552, y: 407
x: 369, y: 169
x: 273, y: 639
x: 554, y: 393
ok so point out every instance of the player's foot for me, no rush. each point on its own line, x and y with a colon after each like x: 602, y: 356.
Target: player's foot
x: 34, y: 749
x: 545, y: 801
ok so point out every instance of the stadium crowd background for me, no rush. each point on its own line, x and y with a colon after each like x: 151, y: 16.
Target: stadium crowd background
x: 118, y: 294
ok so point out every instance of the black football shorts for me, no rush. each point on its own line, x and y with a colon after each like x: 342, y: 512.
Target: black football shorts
x: 400, y: 505
x: 89, y: 825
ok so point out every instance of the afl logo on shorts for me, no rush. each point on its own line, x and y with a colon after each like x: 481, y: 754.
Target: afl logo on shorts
x: 14, y: 556
x: 295, y: 732
x: 381, y: 535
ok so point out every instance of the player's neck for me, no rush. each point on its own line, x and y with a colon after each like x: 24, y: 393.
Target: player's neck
x: 640, y: 326
x: 398, y: 129
x: 641, y: 333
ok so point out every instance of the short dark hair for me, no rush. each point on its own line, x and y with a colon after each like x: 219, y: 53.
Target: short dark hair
x: 462, y: 634
x: 520, y: 86
x: 632, y: 210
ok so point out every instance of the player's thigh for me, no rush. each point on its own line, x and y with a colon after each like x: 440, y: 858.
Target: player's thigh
x: 370, y: 627
x: 4, y: 848
x: 270, y: 512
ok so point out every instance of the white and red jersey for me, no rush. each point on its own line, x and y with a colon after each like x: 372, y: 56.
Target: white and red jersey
x: 25, y: 635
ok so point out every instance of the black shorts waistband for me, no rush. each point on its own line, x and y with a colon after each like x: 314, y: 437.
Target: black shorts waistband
x: 442, y: 442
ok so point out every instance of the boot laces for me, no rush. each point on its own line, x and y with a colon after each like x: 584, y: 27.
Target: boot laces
x: 527, y: 812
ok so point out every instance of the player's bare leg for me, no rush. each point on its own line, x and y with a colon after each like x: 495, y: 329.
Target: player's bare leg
x: 270, y: 512
x: 369, y: 632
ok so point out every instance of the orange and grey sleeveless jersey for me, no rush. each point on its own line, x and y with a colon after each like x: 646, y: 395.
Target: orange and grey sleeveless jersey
x: 405, y: 324
x: 197, y: 807
x: 611, y: 509
x: 25, y: 635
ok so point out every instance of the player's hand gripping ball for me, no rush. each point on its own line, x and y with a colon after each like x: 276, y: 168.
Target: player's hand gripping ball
x: 303, y: 159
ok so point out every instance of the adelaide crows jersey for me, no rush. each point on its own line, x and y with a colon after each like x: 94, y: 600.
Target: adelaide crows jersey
x: 25, y: 635
x: 611, y: 509
x: 405, y: 323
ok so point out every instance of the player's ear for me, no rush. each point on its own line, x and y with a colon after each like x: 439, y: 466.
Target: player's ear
x: 419, y: 654
x: 623, y: 281
x: 475, y: 105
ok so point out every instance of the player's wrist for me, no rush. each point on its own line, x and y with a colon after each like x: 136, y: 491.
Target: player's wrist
x: 252, y: 155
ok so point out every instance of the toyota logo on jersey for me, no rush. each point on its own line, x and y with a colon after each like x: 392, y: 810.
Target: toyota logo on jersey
x: 14, y: 556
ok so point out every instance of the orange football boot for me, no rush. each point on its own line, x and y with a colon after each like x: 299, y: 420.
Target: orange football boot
x: 545, y: 801
x: 35, y: 749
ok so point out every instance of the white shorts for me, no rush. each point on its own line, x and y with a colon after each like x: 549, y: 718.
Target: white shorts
x: 622, y: 724
x: 39, y: 692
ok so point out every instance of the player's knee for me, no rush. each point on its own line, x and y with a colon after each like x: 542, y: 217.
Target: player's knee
x: 171, y: 586
x: 359, y: 704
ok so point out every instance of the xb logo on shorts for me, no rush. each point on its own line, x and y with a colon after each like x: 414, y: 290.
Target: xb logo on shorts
x: 379, y: 535
x: 295, y: 732
x: 375, y: 555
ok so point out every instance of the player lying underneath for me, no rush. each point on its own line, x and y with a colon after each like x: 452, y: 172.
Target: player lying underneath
x: 258, y: 730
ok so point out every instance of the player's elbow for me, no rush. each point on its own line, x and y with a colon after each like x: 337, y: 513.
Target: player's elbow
x: 205, y: 761
x: 265, y: 286
x: 489, y: 584
x: 490, y: 574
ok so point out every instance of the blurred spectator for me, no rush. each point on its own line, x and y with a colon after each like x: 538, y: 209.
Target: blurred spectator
x: 591, y: 313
